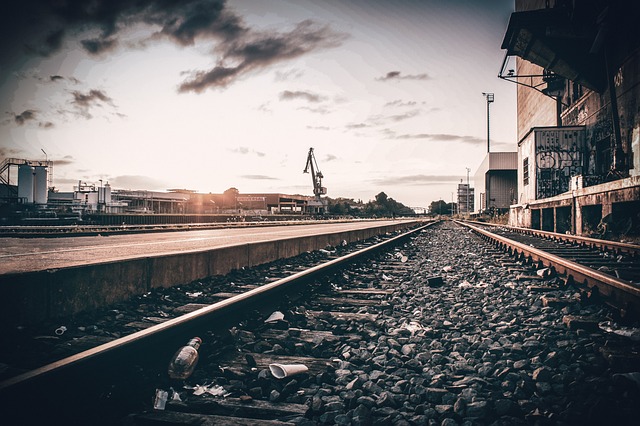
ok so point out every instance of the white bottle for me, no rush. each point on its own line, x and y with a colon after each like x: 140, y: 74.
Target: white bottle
x: 184, y: 361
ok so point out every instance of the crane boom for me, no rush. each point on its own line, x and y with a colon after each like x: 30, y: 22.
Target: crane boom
x: 316, y: 175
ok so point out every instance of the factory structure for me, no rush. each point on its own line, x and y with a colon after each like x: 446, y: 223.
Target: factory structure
x: 26, y: 195
x: 577, y: 165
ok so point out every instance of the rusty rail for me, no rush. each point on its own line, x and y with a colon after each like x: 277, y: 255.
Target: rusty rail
x: 614, y: 246
x: 75, y: 373
x: 620, y: 293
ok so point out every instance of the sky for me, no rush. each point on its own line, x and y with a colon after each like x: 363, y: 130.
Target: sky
x: 211, y: 94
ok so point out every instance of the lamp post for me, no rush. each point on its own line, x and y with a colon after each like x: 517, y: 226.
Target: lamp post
x: 489, y: 97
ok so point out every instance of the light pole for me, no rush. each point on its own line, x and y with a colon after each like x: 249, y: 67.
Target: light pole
x: 468, y: 189
x: 489, y: 97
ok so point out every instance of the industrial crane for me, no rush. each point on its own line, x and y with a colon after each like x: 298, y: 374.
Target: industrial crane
x: 316, y: 177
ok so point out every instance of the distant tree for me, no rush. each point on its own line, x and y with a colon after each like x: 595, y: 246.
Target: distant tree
x: 439, y: 207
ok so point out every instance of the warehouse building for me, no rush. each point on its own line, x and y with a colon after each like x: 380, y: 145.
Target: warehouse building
x: 577, y: 65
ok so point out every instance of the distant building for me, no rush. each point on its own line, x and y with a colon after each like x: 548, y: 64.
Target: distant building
x: 465, y: 198
x: 496, y: 182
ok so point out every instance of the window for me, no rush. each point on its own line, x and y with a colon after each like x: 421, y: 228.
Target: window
x: 525, y: 171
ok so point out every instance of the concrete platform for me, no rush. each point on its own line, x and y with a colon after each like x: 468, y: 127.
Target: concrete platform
x: 47, y: 278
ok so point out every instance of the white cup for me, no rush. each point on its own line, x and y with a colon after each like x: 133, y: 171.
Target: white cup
x: 280, y: 371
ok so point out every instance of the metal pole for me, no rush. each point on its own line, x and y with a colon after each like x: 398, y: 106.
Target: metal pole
x: 490, y: 98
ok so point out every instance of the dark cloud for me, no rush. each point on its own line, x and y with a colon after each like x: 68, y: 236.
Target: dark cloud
x: 397, y: 75
x: 419, y: 180
x: 42, y: 26
x: 253, y: 51
x: 56, y: 77
x: 24, y: 116
x: 288, y: 95
x: 258, y: 177
x: 6, y: 152
x: 46, y: 124
x: 87, y: 100
x: 96, y: 46
x: 64, y: 161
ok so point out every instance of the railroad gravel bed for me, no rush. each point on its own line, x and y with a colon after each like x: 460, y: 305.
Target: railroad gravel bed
x: 465, y: 337
x: 478, y: 347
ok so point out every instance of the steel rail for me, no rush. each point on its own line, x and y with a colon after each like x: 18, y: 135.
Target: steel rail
x: 623, y: 294
x: 172, y: 332
x: 616, y: 246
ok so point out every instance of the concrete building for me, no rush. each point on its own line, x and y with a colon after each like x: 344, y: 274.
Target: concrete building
x: 496, y: 182
x: 578, y: 74
x: 465, y: 198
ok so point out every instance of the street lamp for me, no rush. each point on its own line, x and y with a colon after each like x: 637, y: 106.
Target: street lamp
x: 489, y: 97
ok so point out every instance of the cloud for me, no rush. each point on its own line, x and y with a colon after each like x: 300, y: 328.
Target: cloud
x: 357, y: 126
x: 288, y: 95
x: 96, y: 46
x: 405, y: 116
x: 293, y: 74
x: 400, y: 103
x: 318, y: 128
x: 85, y: 101
x: 64, y: 161
x: 397, y: 75
x: 419, y: 180
x: 43, y: 27
x: 330, y: 157
x: 253, y: 51
x: 24, y: 116
x: 436, y: 137
x: 317, y: 110
x: 258, y: 177
x: 7, y: 152
x: 56, y: 77
x: 243, y: 150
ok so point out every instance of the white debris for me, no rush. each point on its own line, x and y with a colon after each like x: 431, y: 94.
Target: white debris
x: 275, y: 317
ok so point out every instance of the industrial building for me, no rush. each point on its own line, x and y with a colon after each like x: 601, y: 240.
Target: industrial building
x: 26, y: 193
x: 577, y: 66
x: 496, y: 182
x: 465, y: 198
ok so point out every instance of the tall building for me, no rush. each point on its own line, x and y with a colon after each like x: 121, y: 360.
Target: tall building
x: 465, y: 198
x: 577, y: 68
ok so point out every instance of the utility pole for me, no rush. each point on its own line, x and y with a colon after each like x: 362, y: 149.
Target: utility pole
x: 489, y: 97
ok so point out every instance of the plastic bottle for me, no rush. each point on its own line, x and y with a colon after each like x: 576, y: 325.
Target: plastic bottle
x: 184, y: 361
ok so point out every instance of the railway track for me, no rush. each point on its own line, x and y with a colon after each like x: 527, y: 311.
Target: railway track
x: 148, y: 347
x: 434, y: 326
x: 607, y: 268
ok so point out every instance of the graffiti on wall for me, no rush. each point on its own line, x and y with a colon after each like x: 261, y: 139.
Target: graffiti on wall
x: 560, y: 154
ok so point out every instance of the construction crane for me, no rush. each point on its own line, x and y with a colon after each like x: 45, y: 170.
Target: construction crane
x: 316, y: 177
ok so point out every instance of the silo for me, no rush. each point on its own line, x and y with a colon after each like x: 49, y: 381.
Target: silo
x: 25, y: 183
x: 40, y: 188
x: 106, y: 196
